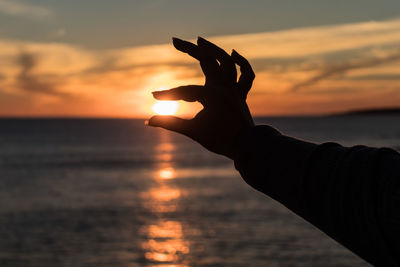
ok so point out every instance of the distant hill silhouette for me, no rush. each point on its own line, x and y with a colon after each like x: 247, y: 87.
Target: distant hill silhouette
x: 374, y: 111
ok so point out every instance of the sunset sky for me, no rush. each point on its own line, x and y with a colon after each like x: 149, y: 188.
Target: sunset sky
x: 103, y: 58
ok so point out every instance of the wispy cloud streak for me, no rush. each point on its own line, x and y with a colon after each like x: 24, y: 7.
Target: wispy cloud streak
x: 323, y: 68
x: 26, y: 80
x: 16, y: 8
x: 345, y: 67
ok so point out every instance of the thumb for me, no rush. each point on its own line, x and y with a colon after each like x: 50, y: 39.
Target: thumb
x: 171, y: 123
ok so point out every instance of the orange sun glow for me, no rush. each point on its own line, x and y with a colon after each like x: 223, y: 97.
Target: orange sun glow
x: 165, y: 107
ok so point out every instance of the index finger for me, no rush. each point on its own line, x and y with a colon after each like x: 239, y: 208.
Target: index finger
x: 187, y: 47
x: 208, y: 64
x: 227, y: 65
x: 188, y: 93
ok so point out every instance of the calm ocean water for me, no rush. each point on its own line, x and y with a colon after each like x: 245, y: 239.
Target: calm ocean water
x: 116, y: 193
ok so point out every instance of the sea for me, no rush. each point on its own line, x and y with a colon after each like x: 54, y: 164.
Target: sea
x: 114, y: 192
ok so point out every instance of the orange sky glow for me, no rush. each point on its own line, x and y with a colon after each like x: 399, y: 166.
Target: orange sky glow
x: 314, y: 70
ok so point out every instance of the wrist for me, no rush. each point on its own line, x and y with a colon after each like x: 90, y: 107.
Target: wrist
x: 247, y: 134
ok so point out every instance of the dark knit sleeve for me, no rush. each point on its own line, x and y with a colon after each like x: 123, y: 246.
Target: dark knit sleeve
x: 351, y: 194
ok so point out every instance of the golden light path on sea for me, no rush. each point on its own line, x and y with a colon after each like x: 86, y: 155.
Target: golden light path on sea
x: 164, y: 241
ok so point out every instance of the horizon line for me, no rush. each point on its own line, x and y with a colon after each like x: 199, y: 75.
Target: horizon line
x: 350, y: 111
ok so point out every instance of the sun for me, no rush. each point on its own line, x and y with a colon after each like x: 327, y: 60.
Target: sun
x: 165, y: 107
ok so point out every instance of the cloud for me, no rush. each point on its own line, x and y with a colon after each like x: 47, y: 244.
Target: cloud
x: 311, y: 41
x: 345, y: 67
x: 377, y: 77
x: 333, y: 62
x: 26, y: 80
x: 15, y: 8
x: 58, y: 33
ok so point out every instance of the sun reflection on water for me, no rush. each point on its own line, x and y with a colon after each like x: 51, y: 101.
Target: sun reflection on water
x: 166, y: 173
x: 164, y: 243
x: 165, y: 194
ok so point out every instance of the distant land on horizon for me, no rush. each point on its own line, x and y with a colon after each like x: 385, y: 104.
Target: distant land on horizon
x: 361, y: 112
x: 372, y: 111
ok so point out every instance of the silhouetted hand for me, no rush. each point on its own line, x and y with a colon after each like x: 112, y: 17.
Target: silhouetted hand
x: 225, y: 114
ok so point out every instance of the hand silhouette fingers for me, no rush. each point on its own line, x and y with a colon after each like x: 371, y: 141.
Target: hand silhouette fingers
x: 227, y: 65
x: 208, y: 64
x: 247, y: 74
x: 186, y: 47
x: 172, y: 123
x: 188, y: 93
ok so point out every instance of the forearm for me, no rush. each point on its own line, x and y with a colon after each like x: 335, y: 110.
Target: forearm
x: 349, y: 199
x: 272, y: 163
x: 338, y: 189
